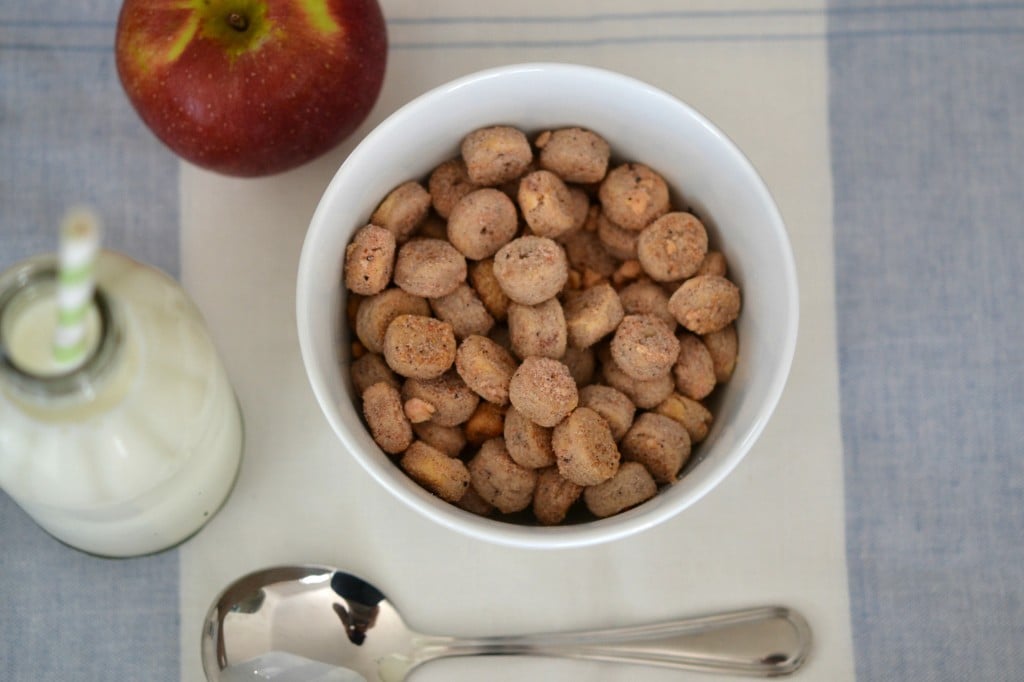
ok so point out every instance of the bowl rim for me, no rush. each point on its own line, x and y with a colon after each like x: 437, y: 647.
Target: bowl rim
x: 599, y: 531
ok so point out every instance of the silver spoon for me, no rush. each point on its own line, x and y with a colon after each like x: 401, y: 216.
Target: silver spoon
x: 324, y: 615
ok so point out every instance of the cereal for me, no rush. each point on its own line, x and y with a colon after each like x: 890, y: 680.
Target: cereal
x: 527, y: 443
x: 628, y: 271
x: 612, y: 404
x: 630, y: 486
x: 713, y: 264
x: 448, y: 439
x: 481, y: 276
x: 402, y: 210
x: 543, y: 390
x: 448, y: 183
x: 369, y: 370
x: 632, y: 195
x: 694, y: 370
x: 474, y: 504
x: 553, y: 497
x: 584, y: 448
x: 575, y: 154
x: 499, y: 480
x: 531, y: 269
x: 547, y: 204
x: 370, y: 260
x: 661, y: 444
x: 645, y: 394
x: 644, y: 347
x: 705, y: 304
x: 433, y: 227
x: 580, y: 208
x: 452, y: 399
x: 723, y: 346
x: 618, y: 241
x: 377, y: 312
x: 496, y: 155
x: 418, y: 411
x: 486, y: 422
x: 482, y: 222
x: 592, y: 314
x: 382, y: 408
x: 538, y: 330
x: 694, y: 417
x: 584, y: 251
x: 486, y: 368
x: 429, y: 268
x: 644, y: 297
x: 582, y: 364
x: 672, y: 247
x: 446, y: 477
x: 419, y: 347
x: 464, y: 311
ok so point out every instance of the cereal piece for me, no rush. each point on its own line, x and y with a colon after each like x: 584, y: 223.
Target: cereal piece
x: 369, y: 370
x: 464, y: 310
x: 429, y: 268
x: 628, y: 271
x: 531, y: 269
x: 446, y: 477
x: 403, y: 210
x: 382, y: 407
x: 500, y: 335
x: 584, y: 448
x: 714, y: 263
x: 377, y: 312
x: 645, y: 394
x: 673, y: 246
x: 369, y: 260
x: 584, y: 251
x: 538, y: 330
x: 580, y: 208
x: 629, y: 487
x: 592, y: 314
x: 575, y: 154
x: 644, y: 347
x: 474, y: 504
x: 452, y: 399
x: 612, y: 404
x: 418, y: 411
x: 433, y: 227
x: 499, y: 480
x: 705, y: 304
x: 448, y: 183
x: 546, y: 203
x: 694, y: 369
x: 632, y: 195
x: 481, y: 276
x: 528, y: 444
x: 618, y: 241
x: 554, y: 496
x: 419, y: 347
x: 486, y: 368
x: 486, y: 422
x: 482, y: 222
x: 658, y: 442
x: 581, y: 363
x: 723, y: 347
x: 646, y: 298
x: 495, y: 155
x: 543, y: 390
x: 358, y: 350
x: 694, y: 417
x: 448, y: 439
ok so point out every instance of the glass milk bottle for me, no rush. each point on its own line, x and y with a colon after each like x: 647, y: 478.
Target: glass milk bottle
x: 137, y: 447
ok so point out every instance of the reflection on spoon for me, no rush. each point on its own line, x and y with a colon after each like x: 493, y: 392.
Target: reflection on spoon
x: 319, y: 615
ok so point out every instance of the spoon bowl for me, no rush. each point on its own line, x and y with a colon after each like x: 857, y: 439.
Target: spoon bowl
x: 337, y: 620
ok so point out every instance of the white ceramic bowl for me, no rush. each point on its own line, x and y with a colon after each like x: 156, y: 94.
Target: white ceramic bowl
x: 642, y: 123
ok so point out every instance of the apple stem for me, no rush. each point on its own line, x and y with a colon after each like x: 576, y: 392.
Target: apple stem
x: 238, y: 21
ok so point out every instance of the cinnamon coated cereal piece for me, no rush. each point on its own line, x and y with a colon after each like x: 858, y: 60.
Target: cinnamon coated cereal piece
x: 705, y: 304
x: 580, y: 208
x: 429, y: 268
x: 582, y: 364
x: 531, y: 269
x: 448, y: 439
x: 419, y: 347
x: 553, y: 497
x: 644, y: 297
x: 538, y: 329
x: 585, y: 450
x: 618, y: 241
x: 433, y: 227
x: 543, y: 390
x: 644, y: 347
x: 464, y: 310
x: 481, y: 276
x: 447, y: 184
x: 447, y: 477
x: 452, y: 399
x: 546, y: 203
x: 694, y: 370
x: 723, y: 346
x: 575, y: 154
x: 661, y: 444
x: 592, y: 314
x: 402, y: 210
x: 673, y: 247
x: 496, y: 155
x: 382, y: 408
x: 486, y: 368
x: 418, y: 411
x: 369, y: 260
x: 499, y: 480
x: 630, y: 486
x: 527, y: 443
x: 645, y: 394
x: 486, y: 422
x: 693, y: 416
x: 612, y: 404
x: 369, y: 370
x: 585, y: 252
x: 714, y: 263
x: 474, y: 504
x: 632, y: 195
x: 482, y: 222
x: 377, y: 312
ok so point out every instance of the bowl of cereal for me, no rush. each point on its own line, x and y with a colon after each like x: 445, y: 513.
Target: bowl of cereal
x: 547, y: 321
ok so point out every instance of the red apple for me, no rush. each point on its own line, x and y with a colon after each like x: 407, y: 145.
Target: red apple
x: 251, y: 87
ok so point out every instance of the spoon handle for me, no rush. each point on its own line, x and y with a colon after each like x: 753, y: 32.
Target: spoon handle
x: 761, y: 642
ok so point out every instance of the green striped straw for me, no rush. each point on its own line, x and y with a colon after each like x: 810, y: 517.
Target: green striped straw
x: 76, y: 282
